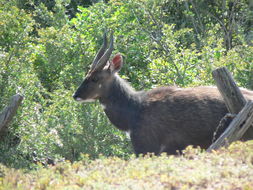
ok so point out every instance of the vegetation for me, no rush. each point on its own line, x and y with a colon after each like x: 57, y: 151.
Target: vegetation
x: 226, y: 169
x: 46, y: 47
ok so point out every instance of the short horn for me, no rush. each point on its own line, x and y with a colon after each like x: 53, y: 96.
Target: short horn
x: 100, y: 52
x: 103, y: 60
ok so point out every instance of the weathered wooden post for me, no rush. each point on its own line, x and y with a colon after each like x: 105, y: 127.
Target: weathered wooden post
x: 236, y: 129
x: 235, y: 103
x: 231, y: 94
x: 9, y: 112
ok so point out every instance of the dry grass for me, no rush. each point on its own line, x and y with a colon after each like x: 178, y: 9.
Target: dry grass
x: 225, y: 169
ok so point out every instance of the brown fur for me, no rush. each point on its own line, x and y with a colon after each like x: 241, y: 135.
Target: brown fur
x: 172, y: 118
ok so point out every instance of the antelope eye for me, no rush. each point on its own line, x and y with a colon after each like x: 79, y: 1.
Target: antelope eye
x: 94, y: 79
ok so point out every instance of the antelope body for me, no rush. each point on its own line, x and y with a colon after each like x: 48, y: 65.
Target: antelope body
x: 165, y: 119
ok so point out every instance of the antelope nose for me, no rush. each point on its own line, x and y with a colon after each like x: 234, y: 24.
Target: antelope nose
x: 75, y: 96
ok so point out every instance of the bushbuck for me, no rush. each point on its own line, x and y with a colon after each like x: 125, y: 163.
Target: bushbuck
x: 164, y: 119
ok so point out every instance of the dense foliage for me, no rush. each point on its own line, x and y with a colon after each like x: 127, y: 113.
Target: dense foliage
x: 47, y: 46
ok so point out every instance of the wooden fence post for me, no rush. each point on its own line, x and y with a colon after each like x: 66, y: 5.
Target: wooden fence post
x: 237, y: 128
x: 231, y: 94
x: 9, y: 112
x: 234, y: 101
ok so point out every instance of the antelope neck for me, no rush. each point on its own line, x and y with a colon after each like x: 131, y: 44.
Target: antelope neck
x: 122, y: 104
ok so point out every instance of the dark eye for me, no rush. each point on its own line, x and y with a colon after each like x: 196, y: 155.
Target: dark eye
x: 94, y: 79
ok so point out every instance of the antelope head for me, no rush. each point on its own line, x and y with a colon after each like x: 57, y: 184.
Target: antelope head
x: 101, y: 74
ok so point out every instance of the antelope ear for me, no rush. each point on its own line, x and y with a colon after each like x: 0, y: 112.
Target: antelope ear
x: 116, y: 63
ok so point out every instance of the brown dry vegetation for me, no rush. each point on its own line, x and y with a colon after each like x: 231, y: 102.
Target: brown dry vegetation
x: 230, y: 168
